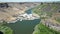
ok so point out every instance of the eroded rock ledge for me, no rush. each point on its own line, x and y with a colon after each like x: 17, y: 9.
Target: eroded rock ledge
x: 11, y: 12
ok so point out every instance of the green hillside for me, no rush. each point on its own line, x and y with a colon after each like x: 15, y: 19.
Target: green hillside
x: 50, y: 10
x: 42, y: 29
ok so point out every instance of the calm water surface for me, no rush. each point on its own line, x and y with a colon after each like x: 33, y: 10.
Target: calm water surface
x: 24, y: 27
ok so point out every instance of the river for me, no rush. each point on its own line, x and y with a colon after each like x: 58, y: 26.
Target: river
x: 24, y: 27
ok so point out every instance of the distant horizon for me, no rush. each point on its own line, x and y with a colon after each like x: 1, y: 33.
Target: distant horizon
x: 29, y: 0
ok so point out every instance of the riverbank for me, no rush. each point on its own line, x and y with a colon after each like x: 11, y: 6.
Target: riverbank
x: 42, y: 29
x: 25, y: 16
x: 13, y: 13
x: 50, y: 17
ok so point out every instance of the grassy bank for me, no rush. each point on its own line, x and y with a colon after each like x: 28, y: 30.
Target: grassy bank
x: 42, y: 29
x: 42, y: 10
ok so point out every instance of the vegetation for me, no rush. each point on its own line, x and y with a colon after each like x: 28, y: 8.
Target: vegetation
x: 41, y: 10
x: 6, y: 30
x: 58, y: 19
x: 42, y: 29
x: 48, y: 9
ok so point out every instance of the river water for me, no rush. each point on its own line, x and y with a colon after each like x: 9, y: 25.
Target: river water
x: 24, y: 27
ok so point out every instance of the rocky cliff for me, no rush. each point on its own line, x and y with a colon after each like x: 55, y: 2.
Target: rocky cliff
x: 9, y: 11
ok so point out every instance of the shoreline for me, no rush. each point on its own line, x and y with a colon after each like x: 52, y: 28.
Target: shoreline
x: 25, y: 16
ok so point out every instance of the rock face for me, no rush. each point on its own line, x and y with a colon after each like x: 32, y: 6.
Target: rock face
x: 9, y: 11
x: 2, y: 5
x: 52, y: 24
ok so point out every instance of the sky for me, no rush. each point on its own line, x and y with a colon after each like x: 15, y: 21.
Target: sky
x: 29, y: 0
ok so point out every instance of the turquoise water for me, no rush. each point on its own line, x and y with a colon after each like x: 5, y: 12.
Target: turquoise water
x: 24, y: 27
x: 29, y: 11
